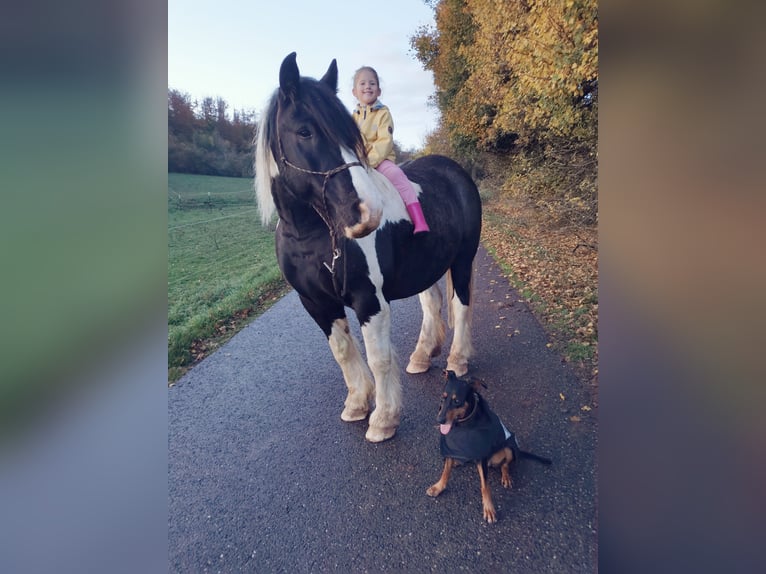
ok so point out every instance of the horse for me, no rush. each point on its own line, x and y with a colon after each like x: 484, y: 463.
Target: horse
x: 344, y: 239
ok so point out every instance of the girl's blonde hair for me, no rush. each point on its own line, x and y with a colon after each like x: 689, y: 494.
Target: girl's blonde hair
x: 366, y: 69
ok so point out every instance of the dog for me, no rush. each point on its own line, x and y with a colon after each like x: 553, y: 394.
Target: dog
x: 471, y: 432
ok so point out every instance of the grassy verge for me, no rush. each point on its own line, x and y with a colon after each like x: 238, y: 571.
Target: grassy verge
x: 554, y: 268
x: 222, y: 268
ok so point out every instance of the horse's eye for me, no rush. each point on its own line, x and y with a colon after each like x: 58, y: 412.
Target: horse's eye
x: 304, y: 133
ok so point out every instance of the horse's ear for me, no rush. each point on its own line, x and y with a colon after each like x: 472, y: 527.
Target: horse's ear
x: 289, y: 76
x: 331, y: 76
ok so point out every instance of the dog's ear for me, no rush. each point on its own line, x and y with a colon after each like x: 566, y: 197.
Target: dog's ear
x: 477, y: 384
x: 449, y: 375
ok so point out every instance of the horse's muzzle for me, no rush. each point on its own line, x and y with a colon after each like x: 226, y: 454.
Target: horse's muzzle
x: 368, y: 222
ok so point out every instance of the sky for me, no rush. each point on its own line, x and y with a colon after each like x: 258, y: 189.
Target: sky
x: 233, y: 49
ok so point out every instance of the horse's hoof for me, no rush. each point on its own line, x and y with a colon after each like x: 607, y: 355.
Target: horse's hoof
x: 460, y: 369
x: 417, y: 367
x: 350, y: 415
x: 420, y: 362
x: 380, y: 434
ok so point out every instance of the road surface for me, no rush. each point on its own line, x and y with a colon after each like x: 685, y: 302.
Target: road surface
x: 265, y: 477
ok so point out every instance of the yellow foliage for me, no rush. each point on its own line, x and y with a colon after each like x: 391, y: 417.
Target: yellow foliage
x: 515, y: 67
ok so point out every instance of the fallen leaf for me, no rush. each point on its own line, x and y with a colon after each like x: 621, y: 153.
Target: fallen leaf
x: 574, y: 419
x: 562, y: 396
x: 585, y: 408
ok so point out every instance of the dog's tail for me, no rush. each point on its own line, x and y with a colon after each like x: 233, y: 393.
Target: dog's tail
x: 514, y: 444
x: 533, y: 456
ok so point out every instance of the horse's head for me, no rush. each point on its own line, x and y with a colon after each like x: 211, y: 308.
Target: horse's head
x: 310, y: 152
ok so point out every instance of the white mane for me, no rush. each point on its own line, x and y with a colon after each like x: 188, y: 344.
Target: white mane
x: 265, y: 169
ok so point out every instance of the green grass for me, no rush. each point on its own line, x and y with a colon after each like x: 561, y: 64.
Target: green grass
x: 221, y: 260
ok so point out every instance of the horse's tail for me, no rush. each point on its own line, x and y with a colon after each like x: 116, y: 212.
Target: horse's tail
x: 469, y: 318
x: 451, y: 294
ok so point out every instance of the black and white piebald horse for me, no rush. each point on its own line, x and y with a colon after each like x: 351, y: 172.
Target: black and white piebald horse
x: 344, y: 239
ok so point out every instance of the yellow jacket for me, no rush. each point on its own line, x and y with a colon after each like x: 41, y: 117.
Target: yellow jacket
x: 377, y: 127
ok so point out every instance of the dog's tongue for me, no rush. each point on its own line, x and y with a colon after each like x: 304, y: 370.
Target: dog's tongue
x: 445, y: 428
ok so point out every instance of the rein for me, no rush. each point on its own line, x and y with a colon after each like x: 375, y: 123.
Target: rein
x: 324, y: 212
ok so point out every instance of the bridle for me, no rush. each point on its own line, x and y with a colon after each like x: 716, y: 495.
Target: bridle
x: 324, y: 212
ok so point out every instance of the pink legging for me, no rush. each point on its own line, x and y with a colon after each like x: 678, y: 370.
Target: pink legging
x: 396, y: 176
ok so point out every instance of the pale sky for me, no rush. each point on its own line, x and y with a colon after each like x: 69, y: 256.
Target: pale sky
x: 233, y: 49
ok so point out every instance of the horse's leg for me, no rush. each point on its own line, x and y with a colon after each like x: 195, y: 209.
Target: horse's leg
x: 460, y: 283
x: 356, y: 373
x: 432, y: 332
x: 331, y: 317
x: 381, y: 357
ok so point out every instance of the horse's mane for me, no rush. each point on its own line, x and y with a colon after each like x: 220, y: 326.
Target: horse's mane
x: 334, y: 121
x: 265, y: 166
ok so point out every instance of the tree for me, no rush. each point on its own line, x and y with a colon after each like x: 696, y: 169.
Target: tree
x: 220, y: 112
x: 202, y: 140
x: 518, y: 79
x: 442, y: 50
x: 208, y: 110
x: 180, y: 115
x: 513, y: 70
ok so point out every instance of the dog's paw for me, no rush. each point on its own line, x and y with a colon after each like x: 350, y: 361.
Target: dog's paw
x: 435, y: 490
x: 489, y: 514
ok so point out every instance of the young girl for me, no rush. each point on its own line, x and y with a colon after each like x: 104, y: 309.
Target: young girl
x: 377, y: 127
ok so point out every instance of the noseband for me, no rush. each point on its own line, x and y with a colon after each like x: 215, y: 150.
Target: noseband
x: 323, y: 213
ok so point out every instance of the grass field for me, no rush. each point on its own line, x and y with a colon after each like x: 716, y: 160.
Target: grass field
x: 221, y: 263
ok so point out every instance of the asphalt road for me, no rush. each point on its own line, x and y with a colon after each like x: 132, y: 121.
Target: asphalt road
x: 265, y: 477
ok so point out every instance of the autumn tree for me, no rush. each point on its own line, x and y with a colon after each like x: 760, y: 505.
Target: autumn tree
x: 518, y: 69
x: 442, y: 50
x: 519, y: 76
x: 534, y: 62
x: 202, y: 139
x: 180, y: 115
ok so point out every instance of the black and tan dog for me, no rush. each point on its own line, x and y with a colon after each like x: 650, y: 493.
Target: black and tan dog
x: 471, y: 432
